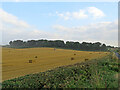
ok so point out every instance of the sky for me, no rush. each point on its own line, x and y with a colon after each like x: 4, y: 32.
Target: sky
x: 68, y: 21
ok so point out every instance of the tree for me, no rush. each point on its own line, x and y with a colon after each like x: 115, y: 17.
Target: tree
x: 97, y: 46
x: 103, y: 47
x: 16, y: 43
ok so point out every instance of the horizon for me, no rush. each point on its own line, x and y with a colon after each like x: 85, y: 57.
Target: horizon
x: 58, y: 40
x: 67, y: 21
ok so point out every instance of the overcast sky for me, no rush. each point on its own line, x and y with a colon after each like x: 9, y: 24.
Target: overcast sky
x: 80, y: 21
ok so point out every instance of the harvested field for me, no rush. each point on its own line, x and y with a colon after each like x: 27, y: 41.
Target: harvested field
x: 15, y: 62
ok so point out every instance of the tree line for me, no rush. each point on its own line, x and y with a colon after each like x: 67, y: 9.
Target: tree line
x: 97, y: 46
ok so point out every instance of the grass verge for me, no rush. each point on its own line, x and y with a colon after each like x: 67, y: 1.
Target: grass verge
x: 99, y: 73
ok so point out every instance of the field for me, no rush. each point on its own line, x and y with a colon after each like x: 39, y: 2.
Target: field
x: 15, y: 62
x: 100, y: 73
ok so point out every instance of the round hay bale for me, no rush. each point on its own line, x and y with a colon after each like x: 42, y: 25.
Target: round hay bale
x: 86, y: 59
x: 30, y: 61
x: 74, y: 54
x: 35, y: 56
x: 72, y: 58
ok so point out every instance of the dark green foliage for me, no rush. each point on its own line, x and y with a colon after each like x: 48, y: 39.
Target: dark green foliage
x: 59, y: 44
x: 90, y: 74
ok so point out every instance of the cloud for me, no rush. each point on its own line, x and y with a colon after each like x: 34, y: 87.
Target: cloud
x: 11, y: 19
x: 79, y: 15
x: 72, y: 15
x: 106, y: 32
x: 82, y: 14
x: 96, y: 13
x: 13, y: 28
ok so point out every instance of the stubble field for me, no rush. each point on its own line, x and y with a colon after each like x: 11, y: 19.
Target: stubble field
x: 15, y: 62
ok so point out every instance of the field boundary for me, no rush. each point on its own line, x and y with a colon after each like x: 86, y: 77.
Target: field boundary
x: 59, y: 48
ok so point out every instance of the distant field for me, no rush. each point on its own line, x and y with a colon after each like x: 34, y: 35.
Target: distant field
x: 15, y: 62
